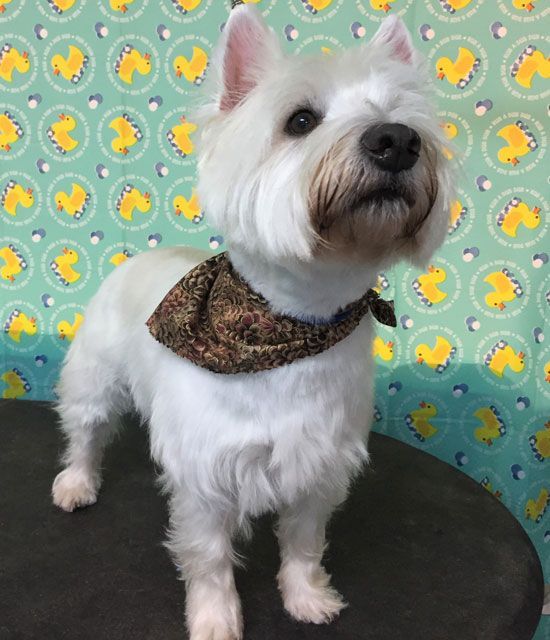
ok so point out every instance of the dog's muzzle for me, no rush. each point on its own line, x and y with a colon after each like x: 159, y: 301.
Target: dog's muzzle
x: 392, y: 147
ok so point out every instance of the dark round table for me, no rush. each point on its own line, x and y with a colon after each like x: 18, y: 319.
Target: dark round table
x: 419, y: 550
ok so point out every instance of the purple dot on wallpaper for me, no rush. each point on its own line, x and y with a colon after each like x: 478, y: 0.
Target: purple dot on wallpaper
x: 40, y: 32
x: 47, y: 300
x: 154, y: 239
x: 538, y: 335
x: 96, y: 237
x: 34, y: 100
x: 102, y: 171
x: 406, y: 322
x: 426, y: 32
x: 539, y: 259
x: 461, y: 458
x: 358, y: 30
x: 472, y: 323
x: 483, y: 183
x: 517, y: 472
x: 547, y: 536
x: 460, y: 389
x: 522, y: 403
x: 101, y: 30
x: 482, y: 106
x: 95, y: 100
x: 42, y: 165
x: 469, y: 253
x: 215, y: 241
x: 40, y: 360
x: 161, y: 169
x: 163, y: 32
x: 38, y: 234
x: 498, y: 30
x: 154, y: 103
x: 394, y: 387
x: 291, y: 33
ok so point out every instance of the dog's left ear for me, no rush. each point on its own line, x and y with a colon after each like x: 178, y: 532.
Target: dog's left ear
x: 394, y: 33
x: 248, y: 48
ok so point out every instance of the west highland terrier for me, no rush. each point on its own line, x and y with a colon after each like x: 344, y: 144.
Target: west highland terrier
x: 254, y: 368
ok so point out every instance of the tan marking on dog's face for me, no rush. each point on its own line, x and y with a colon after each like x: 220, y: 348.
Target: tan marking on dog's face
x: 351, y: 227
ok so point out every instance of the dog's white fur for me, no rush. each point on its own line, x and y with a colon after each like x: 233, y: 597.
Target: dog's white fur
x: 289, y: 439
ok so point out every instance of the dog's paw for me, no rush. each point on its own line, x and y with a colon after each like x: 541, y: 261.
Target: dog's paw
x: 73, y: 488
x: 213, y: 613
x: 310, y: 600
x: 213, y: 632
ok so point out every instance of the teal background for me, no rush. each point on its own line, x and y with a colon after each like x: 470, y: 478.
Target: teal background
x: 506, y: 446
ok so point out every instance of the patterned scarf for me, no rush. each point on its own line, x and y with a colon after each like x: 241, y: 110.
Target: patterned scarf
x: 213, y: 318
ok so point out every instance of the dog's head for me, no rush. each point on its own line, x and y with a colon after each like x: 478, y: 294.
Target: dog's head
x: 331, y: 157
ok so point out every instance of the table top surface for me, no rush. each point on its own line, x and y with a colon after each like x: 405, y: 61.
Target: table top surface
x: 419, y: 551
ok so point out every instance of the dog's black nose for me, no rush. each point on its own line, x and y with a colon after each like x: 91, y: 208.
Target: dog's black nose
x: 391, y: 146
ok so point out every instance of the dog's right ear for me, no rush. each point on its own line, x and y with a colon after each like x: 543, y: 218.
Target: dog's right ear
x: 248, y: 48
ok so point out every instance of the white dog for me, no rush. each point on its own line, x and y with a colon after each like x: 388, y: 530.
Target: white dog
x: 320, y: 172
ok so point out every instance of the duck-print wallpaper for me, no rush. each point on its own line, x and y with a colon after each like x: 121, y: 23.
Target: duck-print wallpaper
x: 97, y: 164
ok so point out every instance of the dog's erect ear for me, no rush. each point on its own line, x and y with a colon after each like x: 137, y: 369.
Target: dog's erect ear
x: 247, y: 49
x: 393, y: 32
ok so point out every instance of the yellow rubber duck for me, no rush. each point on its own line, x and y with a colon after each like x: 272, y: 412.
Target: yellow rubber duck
x: 492, y: 427
x: 59, y: 6
x: 71, y: 67
x: 131, y: 198
x: 457, y: 215
x: 128, y: 133
x: 74, y: 204
x: 524, y: 5
x: 11, y: 60
x: 131, y: 60
x: 3, y: 5
x: 66, y: 330
x: 530, y: 61
x: 13, y: 195
x: 520, y: 142
x: 502, y: 355
x: 120, y: 257
x: 452, y: 6
x: 547, y: 372
x: 18, y: 323
x: 17, y: 384
x: 381, y: 5
x: 179, y: 137
x: 426, y: 287
x: 120, y: 5
x: 535, y: 509
x: 516, y: 212
x: 384, y: 350
x: 540, y: 443
x: 460, y: 72
x: 418, y: 421
x: 438, y: 358
x: 486, y: 484
x: 183, y: 6
x: 450, y: 130
x: 507, y: 288
x: 61, y: 266
x: 14, y: 262
x: 58, y: 134
x: 193, y: 70
x: 10, y: 131
x: 189, y: 208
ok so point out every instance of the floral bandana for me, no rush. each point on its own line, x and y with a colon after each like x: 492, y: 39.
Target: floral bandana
x: 213, y: 318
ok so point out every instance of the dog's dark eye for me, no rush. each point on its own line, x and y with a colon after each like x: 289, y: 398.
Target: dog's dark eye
x: 301, y: 123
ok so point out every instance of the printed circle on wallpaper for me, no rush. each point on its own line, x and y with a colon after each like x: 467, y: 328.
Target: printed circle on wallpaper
x: 64, y: 133
x: 18, y: 63
x: 186, y: 63
x: 72, y: 199
x: 69, y: 63
x: 518, y: 217
x: 123, y: 134
x: 176, y: 137
x: 16, y: 263
x: 20, y: 198
x: 133, y: 64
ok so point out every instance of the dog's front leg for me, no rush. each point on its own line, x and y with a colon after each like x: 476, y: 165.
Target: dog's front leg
x: 200, y: 541
x: 303, y: 581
